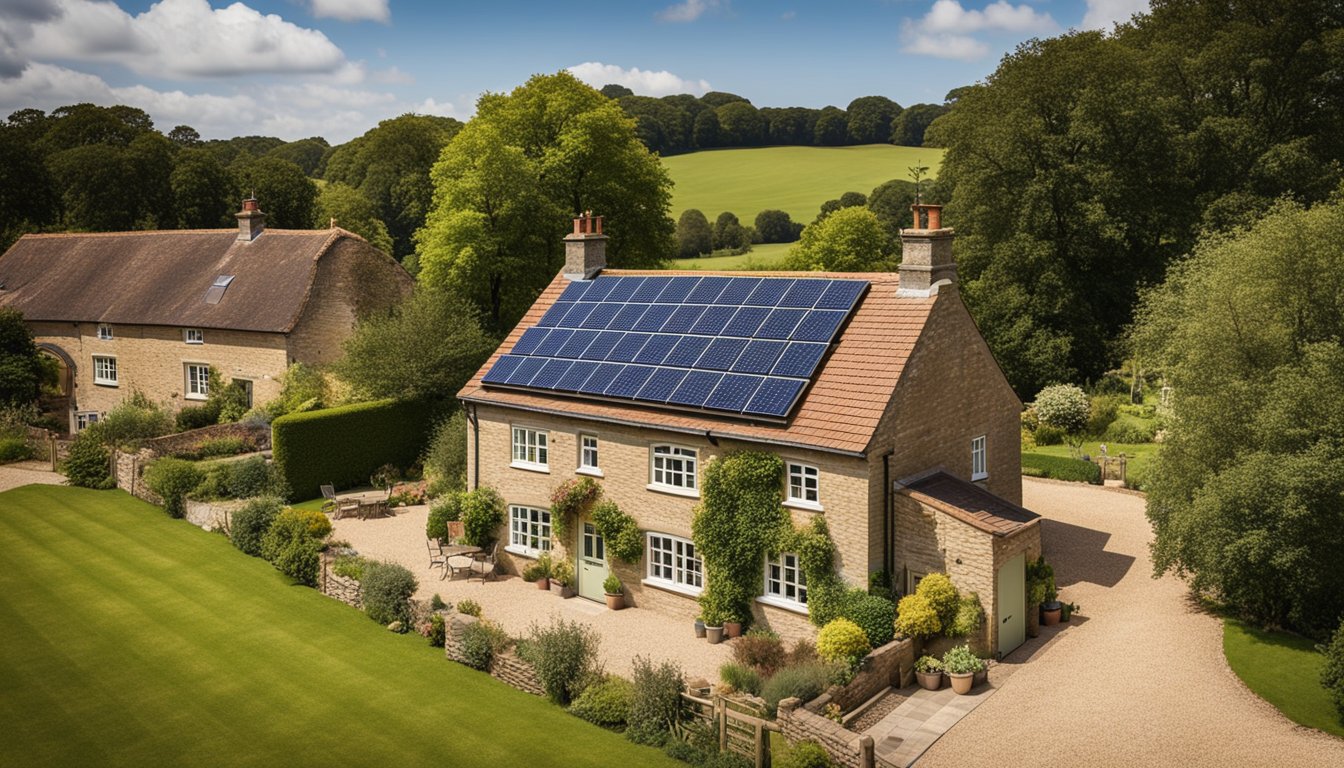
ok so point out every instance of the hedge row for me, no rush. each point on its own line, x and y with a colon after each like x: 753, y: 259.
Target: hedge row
x: 1060, y: 468
x: 344, y: 445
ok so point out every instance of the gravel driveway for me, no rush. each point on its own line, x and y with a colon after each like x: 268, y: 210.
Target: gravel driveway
x: 1140, y: 680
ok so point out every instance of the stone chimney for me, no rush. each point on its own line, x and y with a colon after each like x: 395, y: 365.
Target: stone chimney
x: 251, y: 221
x: 585, y: 248
x: 926, y: 253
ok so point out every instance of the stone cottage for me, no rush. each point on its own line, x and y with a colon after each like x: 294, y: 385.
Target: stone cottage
x: 877, y: 390
x: 153, y: 312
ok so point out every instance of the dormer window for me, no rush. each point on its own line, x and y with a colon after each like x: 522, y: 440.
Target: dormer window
x: 104, y: 331
x: 193, y: 335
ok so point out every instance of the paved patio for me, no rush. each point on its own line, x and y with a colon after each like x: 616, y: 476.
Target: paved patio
x: 516, y: 604
x: 902, y: 736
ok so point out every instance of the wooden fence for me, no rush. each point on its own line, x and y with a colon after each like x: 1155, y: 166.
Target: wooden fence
x: 739, y: 732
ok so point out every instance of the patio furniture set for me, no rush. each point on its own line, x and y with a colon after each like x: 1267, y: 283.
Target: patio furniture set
x: 354, y: 506
x: 461, y: 557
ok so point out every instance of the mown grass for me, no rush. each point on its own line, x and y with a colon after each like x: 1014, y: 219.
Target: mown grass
x: 1139, y: 455
x: 1283, y: 669
x: 133, y: 639
x: 793, y: 179
x: 761, y: 256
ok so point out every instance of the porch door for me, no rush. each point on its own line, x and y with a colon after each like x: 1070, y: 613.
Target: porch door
x: 592, y: 564
x: 1012, y: 604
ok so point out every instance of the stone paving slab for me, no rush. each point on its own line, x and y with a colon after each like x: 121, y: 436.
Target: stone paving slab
x: 902, y: 736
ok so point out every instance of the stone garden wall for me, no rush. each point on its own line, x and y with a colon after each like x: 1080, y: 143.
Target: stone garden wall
x: 506, y: 667
x: 892, y: 665
x: 846, y: 747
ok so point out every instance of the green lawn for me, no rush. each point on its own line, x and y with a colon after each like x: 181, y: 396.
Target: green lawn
x: 1284, y: 670
x: 793, y: 179
x: 762, y: 256
x: 1140, y: 454
x: 132, y: 639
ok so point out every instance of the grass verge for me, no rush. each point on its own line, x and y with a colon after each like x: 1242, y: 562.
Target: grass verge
x: 1283, y: 669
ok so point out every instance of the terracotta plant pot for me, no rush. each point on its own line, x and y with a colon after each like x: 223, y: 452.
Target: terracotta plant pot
x: 714, y: 635
x: 615, y: 602
x: 732, y: 629
x: 1050, y: 613
x: 543, y: 583
x: 562, y: 590
x: 962, y: 682
x: 929, y: 681
x: 699, y: 628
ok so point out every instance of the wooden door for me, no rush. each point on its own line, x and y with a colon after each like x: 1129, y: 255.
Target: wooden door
x: 1012, y: 604
x: 592, y: 566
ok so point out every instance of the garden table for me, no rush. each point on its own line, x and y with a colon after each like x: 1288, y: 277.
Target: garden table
x: 458, y: 550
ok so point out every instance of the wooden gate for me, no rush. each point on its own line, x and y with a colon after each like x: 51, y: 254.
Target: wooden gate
x: 738, y: 732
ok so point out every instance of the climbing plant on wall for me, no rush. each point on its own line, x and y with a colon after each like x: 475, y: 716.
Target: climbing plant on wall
x: 568, y: 500
x: 573, y: 497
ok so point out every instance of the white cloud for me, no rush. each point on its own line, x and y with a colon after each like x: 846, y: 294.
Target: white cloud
x: 430, y: 106
x: 352, y: 10
x: 946, y: 31
x: 1102, y: 14
x: 642, y: 81
x: 689, y: 10
x: 181, y: 38
x: 290, y: 111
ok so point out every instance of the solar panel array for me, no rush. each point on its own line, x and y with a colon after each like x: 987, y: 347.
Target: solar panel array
x: 742, y: 345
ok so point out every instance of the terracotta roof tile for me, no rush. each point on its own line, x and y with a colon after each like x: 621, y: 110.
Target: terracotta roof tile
x: 970, y: 503
x: 839, y: 411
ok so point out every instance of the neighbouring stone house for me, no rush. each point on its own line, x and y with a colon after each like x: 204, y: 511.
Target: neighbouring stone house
x: 877, y: 390
x: 153, y: 311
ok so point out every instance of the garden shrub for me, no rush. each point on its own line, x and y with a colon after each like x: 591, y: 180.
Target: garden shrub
x: 14, y: 449
x: 385, y: 592
x: 1061, y: 468
x: 482, y: 514
x: 564, y: 656
x: 350, y: 566
x: 249, y: 477
x: 1102, y: 411
x: 875, y: 615
x: 761, y: 650
x: 605, y: 702
x: 1129, y: 430
x: 942, y: 596
x: 619, y: 531
x: 344, y: 445
x: 222, y: 446
x: 438, y: 631
x: 445, y: 458
x: 88, y: 463
x: 1332, y: 673
x: 469, y: 607
x: 1045, y: 434
x: 445, y: 509
x: 970, y: 616
x: 293, y: 544
x: 1065, y: 406
x: 481, y: 640
x: 195, y: 417
x: 172, y: 479
x: 248, y: 524
x: 740, y: 677
x: 802, y: 754
x: 805, y: 682
x: 961, y: 660
x: 300, y: 559
x: 843, y: 641
x: 135, y: 420
x: 656, y: 704
x: 916, y: 618
x: 804, y: 651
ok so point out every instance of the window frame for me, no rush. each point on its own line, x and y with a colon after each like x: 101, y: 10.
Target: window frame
x: 780, y: 599
x: 538, y: 447
x: 105, y: 332
x: 531, y: 529
x: 204, y: 390
x: 677, y: 564
x: 980, y: 450
x: 83, y: 419
x: 187, y: 336
x: 802, y: 503
x: 103, y: 381
x: 673, y: 452
x: 585, y: 467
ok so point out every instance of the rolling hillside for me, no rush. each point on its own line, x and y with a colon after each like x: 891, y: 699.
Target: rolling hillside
x: 793, y: 179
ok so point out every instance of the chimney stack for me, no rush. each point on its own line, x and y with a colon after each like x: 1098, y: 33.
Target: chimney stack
x: 585, y: 248
x: 926, y: 253
x: 251, y: 221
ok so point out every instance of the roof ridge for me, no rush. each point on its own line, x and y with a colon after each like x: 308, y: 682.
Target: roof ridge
x: 164, y: 232
x: 871, y: 276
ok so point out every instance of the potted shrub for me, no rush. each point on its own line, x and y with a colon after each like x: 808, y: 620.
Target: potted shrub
x: 961, y: 664
x: 1040, y: 578
x: 929, y: 671
x: 732, y: 627
x: 612, y: 587
x: 713, y: 626
x: 1051, y: 609
x: 539, y: 572
x: 1066, y: 611
x: 562, y: 579
x: 699, y: 626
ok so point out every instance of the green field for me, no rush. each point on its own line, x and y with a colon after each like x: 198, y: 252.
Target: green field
x: 793, y: 179
x: 1140, y: 455
x: 761, y: 256
x: 133, y: 639
x: 1284, y: 670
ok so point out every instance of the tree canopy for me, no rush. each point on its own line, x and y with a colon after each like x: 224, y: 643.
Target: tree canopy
x: 20, y: 363
x: 848, y: 240
x: 351, y: 211
x: 507, y: 186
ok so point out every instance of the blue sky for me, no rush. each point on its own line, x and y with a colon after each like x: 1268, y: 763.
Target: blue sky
x: 296, y: 68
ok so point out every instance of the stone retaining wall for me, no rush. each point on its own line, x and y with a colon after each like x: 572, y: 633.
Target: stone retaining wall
x: 258, y: 436
x: 339, y: 587
x: 506, y: 667
x: 845, y: 747
x: 892, y: 665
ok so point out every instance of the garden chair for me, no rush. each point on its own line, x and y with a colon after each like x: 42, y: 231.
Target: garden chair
x: 485, y: 562
x: 436, y: 558
x: 336, y: 506
x: 456, y: 530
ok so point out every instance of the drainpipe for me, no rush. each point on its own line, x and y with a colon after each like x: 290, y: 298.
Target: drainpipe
x: 476, y: 445
x: 888, y: 523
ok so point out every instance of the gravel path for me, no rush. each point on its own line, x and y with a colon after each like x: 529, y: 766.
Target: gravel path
x: 1139, y: 680
x: 516, y: 604
x: 28, y: 473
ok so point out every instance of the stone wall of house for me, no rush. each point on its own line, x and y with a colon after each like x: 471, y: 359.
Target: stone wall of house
x: 506, y: 667
x: 624, y: 455
x: 353, y: 279
x: 950, y: 392
x: 890, y: 666
x: 846, y: 747
x: 152, y: 360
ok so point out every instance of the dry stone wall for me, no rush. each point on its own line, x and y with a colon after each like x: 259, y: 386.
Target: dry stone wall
x: 507, y: 666
x: 845, y: 747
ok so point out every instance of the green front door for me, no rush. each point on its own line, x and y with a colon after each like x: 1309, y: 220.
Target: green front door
x: 1012, y: 604
x: 592, y: 564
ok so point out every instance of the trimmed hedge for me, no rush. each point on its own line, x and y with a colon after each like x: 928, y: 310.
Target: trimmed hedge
x: 1060, y: 468
x: 344, y: 445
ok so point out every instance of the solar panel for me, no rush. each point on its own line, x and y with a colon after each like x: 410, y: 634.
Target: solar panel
x: 738, y: 345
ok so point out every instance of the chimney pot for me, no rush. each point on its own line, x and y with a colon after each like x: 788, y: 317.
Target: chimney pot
x: 585, y: 248
x: 926, y: 253
x: 251, y: 221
